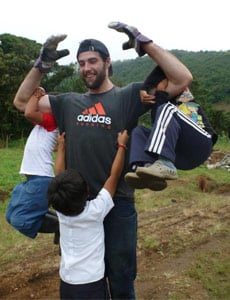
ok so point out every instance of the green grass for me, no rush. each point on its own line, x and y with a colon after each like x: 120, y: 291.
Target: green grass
x: 9, y: 167
x: 212, y: 271
x: 223, y: 143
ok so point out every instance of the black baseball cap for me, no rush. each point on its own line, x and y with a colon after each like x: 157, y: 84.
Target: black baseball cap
x: 93, y: 45
x: 97, y: 46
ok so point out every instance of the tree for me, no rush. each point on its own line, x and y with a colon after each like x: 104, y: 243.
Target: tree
x: 17, y: 54
x: 64, y: 79
x: 16, y: 58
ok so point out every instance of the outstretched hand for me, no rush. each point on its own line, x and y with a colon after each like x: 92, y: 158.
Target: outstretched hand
x: 135, y: 37
x: 61, y: 138
x: 147, y: 98
x: 49, y: 53
x: 123, y: 137
x: 159, y: 97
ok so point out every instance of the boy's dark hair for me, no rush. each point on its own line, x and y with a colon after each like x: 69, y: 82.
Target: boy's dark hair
x: 67, y: 193
x: 152, y: 80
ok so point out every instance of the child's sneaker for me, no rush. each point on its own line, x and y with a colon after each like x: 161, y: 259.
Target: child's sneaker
x: 159, y: 169
x: 137, y: 182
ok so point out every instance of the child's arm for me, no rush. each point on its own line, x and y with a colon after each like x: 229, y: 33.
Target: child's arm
x: 118, y: 163
x: 60, y: 157
x: 155, y: 82
x: 32, y: 112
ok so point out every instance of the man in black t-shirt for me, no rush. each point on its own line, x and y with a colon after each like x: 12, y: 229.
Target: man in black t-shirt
x: 91, y: 122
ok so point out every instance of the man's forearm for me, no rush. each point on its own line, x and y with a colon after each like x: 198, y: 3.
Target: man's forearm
x: 26, y: 89
x: 176, y: 72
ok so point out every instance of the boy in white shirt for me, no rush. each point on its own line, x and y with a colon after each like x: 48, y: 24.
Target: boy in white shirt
x: 81, y: 225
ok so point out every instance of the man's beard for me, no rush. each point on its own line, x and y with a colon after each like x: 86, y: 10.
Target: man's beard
x: 100, y: 77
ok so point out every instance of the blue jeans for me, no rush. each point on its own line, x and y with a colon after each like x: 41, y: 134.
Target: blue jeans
x: 28, y: 205
x: 120, y: 248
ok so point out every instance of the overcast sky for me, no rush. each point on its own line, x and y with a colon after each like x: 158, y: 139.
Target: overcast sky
x: 192, y: 25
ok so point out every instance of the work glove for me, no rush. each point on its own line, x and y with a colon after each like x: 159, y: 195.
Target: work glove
x: 49, y: 53
x: 135, y: 37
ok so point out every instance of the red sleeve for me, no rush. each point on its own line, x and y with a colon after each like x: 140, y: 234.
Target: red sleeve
x: 48, y: 122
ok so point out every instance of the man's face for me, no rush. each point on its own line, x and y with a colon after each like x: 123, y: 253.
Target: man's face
x: 92, y: 69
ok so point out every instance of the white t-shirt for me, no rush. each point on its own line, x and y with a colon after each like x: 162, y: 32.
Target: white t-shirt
x: 82, y: 241
x: 37, y: 157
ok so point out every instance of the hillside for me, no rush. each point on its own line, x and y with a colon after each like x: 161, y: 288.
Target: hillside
x: 210, y: 69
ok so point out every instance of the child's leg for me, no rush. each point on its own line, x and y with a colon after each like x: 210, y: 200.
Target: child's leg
x: 176, y: 139
x: 165, y: 133
x: 194, y: 145
x: 138, y: 157
x: 50, y: 224
x: 162, y: 143
x: 28, y: 205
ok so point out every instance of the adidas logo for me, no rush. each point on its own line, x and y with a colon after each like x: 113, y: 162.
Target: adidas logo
x: 96, y: 109
x: 94, y: 115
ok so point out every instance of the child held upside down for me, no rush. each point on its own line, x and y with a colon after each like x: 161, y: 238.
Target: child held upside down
x: 28, y: 207
x: 181, y: 136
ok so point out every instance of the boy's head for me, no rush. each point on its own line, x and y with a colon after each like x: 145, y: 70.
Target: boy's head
x: 68, y: 192
x: 153, y: 79
x: 186, y: 96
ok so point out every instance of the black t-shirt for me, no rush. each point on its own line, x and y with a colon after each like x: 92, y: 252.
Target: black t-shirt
x: 91, y: 123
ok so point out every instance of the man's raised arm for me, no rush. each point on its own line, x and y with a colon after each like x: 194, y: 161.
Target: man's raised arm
x: 176, y: 72
x: 44, y: 64
x: 26, y: 89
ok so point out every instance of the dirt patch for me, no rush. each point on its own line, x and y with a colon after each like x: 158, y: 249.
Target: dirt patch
x: 216, y: 156
x: 166, y: 276
x: 169, y: 241
x: 3, y: 195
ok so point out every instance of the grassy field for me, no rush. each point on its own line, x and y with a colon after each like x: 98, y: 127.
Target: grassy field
x: 183, y: 240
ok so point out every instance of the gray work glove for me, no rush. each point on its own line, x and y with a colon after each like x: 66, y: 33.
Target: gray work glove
x: 135, y: 37
x: 49, y: 53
